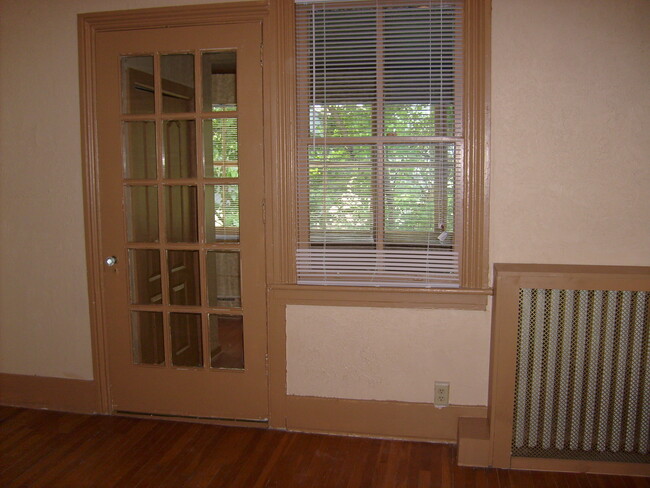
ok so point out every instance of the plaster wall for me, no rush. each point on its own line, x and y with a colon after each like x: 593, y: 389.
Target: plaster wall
x: 387, y: 353
x: 570, y: 145
x: 570, y: 180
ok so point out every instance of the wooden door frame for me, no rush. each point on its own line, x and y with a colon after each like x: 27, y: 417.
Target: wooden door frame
x: 88, y: 26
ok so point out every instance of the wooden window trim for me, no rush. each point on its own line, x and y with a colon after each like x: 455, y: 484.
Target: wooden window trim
x: 474, y: 267
x: 390, y: 297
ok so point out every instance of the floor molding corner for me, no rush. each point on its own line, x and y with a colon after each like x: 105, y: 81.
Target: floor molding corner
x: 79, y: 396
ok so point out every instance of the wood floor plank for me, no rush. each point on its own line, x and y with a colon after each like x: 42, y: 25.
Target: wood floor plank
x: 51, y: 449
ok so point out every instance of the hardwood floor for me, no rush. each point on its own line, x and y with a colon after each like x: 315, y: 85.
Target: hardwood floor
x: 52, y: 449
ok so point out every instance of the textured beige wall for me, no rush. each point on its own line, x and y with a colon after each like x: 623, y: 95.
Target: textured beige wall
x: 387, y: 353
x: 571, y: 173
x: 570, y: 125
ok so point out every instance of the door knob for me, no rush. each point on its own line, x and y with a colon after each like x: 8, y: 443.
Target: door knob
x: 111, y: 261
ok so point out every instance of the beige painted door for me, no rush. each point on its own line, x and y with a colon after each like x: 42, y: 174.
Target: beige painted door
x: 181, y: 199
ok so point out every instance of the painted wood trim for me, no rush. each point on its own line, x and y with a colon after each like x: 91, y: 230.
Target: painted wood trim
x: 503, y: 353
x: 88, y: 25
x: 382, y: 297
x: 578, y: 275
x: 573, y: 269
x: 90, y: 167
x: 279, y: 57
x: 79, y: 396
x: 573, y: 466
x: 385, y: 419
x: 277, y: 361
x: 473, y: 442
x: 182, y: 16
x: 476, y: 173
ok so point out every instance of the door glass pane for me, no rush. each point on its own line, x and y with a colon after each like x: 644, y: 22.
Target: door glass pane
x: 224, y: 289
x: 137, y: 85
x: 184, y: 287
x: 144, y: 270
x: 140, y: 150
x: 182, y: 219
x: 177, y: 71
x: 142, y: 213
x: 222, y: 213
x: 227, y: 341
x: 179, y: 145
x: 186, y: 339
x: 220, y: 148
x: 219, y: 81
x: 147, y: 337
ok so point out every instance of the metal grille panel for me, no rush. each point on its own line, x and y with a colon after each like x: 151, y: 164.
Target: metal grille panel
x: 583, y: 375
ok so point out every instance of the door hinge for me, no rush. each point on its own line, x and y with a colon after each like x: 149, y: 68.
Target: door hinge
x: 264, y: 211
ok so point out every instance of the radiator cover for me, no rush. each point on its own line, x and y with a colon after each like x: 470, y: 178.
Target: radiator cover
x: 582, y: 386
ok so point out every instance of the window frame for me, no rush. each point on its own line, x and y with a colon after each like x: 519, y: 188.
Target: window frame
x: 281, y: 184
x: 372, y: 223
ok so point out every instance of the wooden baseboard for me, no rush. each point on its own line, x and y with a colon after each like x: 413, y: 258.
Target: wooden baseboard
x: 385, y: 419
x: 575, y: 466
x: 473, y: 442
x: 62, y: 394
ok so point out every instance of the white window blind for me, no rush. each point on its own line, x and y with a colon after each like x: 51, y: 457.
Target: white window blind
x: 380, y: 142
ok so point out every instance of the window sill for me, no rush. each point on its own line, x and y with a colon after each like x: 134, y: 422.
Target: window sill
x: 361, y: 296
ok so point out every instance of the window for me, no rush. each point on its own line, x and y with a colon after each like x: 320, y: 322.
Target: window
x: 381, y: 143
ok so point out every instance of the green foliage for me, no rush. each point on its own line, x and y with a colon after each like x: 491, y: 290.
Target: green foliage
x: 224, y: 160
x: 224, y: 148
x: 340, y: 189
x: 341, y: 120
x: 419, y: 189
x: 399, y: 119
x: 418, y: 119
x: 412, y: 184
x: 223, y: 171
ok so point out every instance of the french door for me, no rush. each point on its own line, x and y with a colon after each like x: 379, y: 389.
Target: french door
x: 179, y: 124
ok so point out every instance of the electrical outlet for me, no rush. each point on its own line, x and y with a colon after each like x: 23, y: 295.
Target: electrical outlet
x: 441, y: 394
